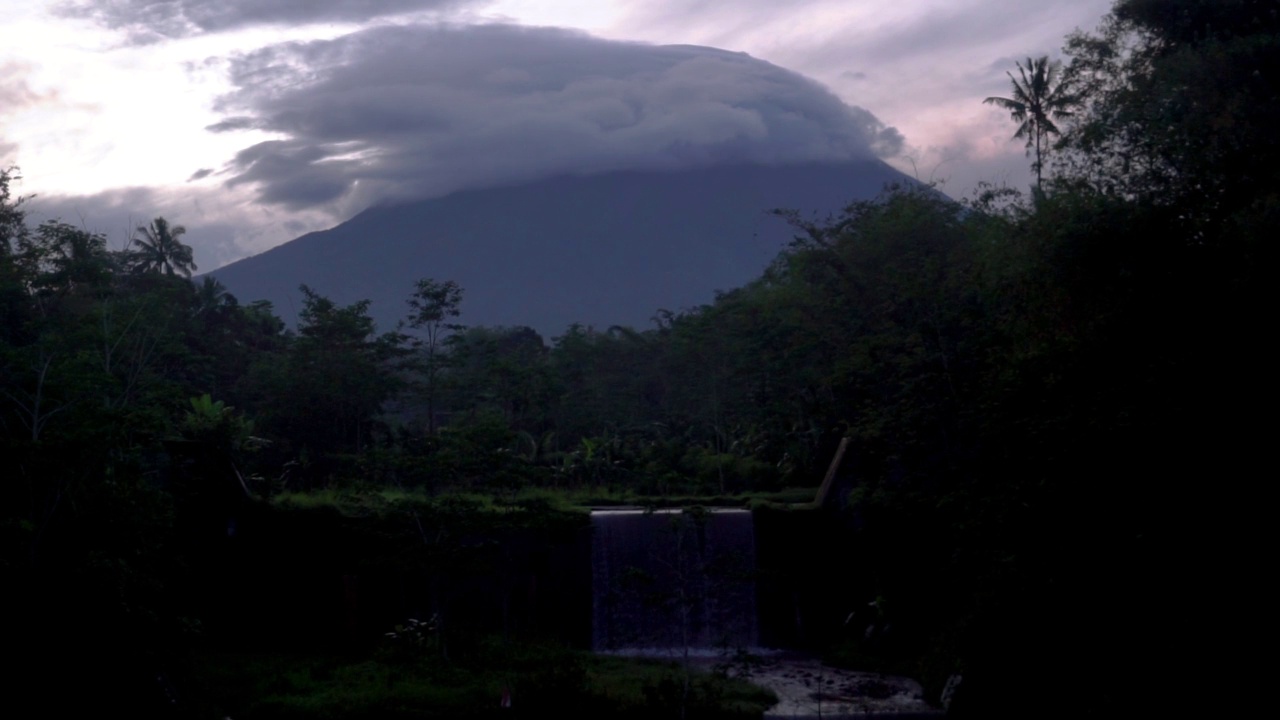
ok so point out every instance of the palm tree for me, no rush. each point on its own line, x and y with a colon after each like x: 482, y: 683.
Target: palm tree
x: 212, y: 296
x: 1038, y: 100
x: 160, y: 249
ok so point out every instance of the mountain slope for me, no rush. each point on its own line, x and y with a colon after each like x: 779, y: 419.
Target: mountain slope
x: 599, y: 250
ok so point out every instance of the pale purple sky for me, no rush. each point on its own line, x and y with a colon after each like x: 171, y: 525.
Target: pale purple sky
x: 253, y: 121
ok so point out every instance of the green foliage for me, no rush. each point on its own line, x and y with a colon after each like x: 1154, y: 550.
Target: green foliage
x: 160, y: 250
x: 1179, y: 111
x: 537, y: 678
x: 433, y: 306
x: 215, y: 423
x: 651, y: 688
x: 12, y: 216
x: 501, y: 370
x: 325, y: 687
x: 62, y: 266
x: 415, y: 640
x: 325, y: 391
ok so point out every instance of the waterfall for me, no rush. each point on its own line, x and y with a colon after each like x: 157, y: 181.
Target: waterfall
x: 673, y: 579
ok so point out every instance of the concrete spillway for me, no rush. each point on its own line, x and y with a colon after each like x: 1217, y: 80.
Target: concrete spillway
x: 673, y: 579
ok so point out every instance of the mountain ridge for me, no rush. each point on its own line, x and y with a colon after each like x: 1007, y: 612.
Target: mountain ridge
x: 598, y: 250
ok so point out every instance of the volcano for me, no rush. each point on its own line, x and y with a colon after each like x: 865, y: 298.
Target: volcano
x: 598, y: 250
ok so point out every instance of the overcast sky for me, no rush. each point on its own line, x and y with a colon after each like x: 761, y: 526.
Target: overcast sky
x: 253, y: 121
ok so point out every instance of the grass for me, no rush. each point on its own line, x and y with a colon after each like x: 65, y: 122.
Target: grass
x: 366, y: 501
x: 540, y: 679
x: 322, y: 687
x: 643, y: 686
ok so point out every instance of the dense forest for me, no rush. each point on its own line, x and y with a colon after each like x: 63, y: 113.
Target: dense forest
x: 1046, y: 396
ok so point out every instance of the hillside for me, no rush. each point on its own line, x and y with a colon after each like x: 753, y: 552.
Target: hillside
x: 598, y: 250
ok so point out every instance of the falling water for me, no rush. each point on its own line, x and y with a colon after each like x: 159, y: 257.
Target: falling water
x: 673, y: 579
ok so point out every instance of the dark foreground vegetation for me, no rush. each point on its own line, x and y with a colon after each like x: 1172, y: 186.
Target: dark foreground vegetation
x: 1056, y: 403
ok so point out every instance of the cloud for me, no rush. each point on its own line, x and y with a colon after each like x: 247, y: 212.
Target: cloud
x: 15, y: 92
x: 927, y: 63
x: 16, y: 96
x: 883, y: 32
x: 917, y: 51
x: 398, y: 112
x: 148, y: 21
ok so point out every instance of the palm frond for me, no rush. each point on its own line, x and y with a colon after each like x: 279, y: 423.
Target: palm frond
x: 1038, y: 98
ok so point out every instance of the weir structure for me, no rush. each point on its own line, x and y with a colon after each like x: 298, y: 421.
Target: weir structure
x: 666, y: 579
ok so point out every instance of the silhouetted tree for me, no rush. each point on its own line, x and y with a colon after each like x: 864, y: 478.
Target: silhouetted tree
x: 1038, y: 100
x: 160, y: 250
x: 433, y: 306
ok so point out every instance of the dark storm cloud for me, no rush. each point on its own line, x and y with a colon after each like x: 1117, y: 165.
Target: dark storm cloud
x: 404, y: 111
x: 145, y: 21
x: 200, y: 174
